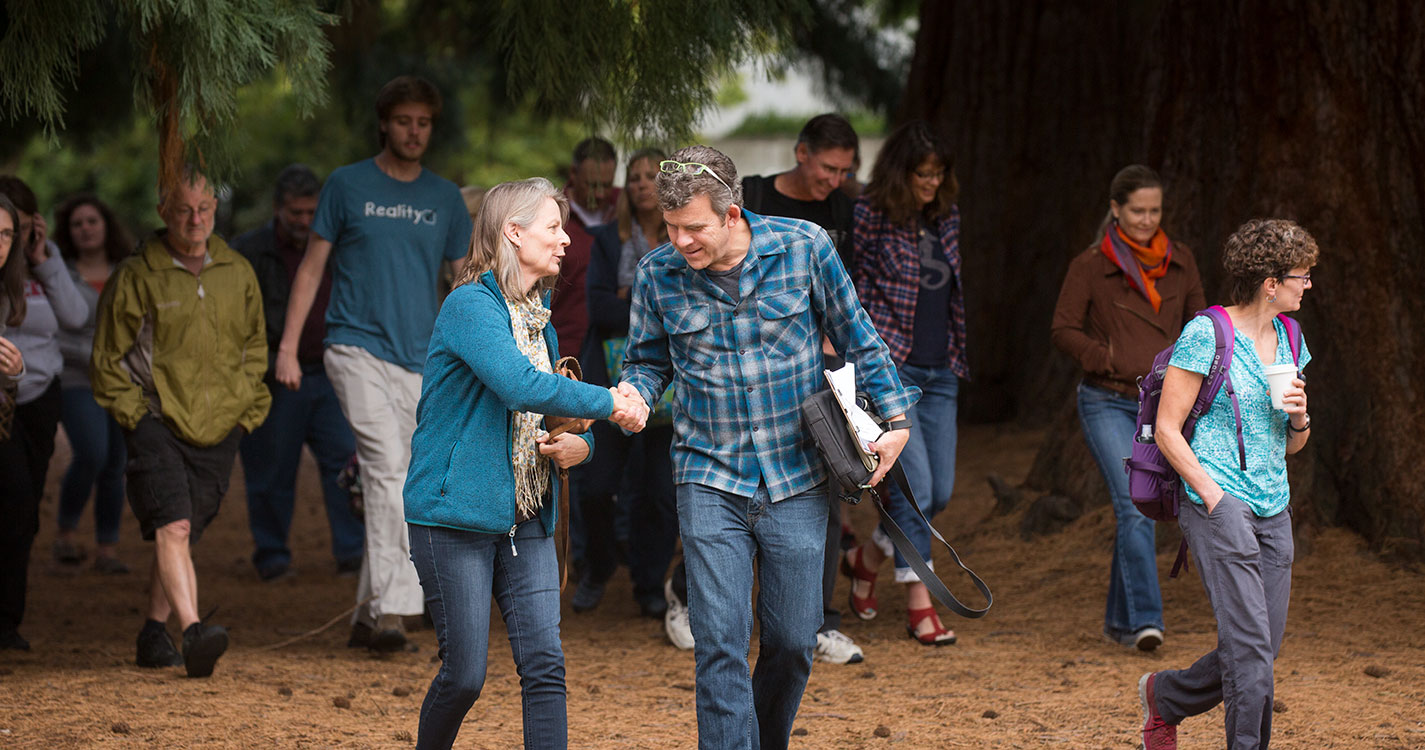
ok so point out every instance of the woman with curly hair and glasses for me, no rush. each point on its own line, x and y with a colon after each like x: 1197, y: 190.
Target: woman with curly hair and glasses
x: 1238, y: 520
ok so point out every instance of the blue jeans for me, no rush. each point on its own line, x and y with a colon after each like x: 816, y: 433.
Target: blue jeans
x: 1134, y: 599
x: 723, y: 534
x: 270, y: 456
x: 459, y: 572
x: 928, y: 459
x: 97, y: 444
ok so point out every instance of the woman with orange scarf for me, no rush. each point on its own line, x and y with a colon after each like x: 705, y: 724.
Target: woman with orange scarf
x: 1125, y: 299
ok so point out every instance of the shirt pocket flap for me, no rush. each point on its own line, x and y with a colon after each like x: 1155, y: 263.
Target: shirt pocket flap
x: 782, y: 304
x: 687, y: 319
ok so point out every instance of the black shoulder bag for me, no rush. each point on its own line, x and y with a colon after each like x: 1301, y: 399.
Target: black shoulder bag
x: 827, y: 425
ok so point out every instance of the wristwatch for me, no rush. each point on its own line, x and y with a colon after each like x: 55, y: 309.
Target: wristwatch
x: 1293, y: 427
x: 899, y: 424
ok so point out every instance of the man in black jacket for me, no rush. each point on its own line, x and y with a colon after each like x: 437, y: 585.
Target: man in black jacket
x: 311, y: 414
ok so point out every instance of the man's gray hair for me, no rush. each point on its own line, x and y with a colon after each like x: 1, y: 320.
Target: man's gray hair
x: 676, y: 189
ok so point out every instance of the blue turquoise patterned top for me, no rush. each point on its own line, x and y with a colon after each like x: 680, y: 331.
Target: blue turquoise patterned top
x: 1263, y: 487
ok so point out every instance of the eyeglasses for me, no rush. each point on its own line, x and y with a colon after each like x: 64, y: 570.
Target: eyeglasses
x: 936, y: 175
x: 1306, y: 277
x: 691, y: 167
x: 185, y: 213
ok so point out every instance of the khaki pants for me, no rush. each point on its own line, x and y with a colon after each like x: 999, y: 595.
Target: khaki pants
x: 379, y: 400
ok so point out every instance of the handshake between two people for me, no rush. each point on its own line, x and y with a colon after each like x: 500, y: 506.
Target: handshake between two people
x: 630, y: 409
x: 566, y: 449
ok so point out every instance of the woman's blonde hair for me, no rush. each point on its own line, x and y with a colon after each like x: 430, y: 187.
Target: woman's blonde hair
x: 516, y: 203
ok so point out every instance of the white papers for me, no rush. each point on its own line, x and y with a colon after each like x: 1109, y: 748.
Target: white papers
x: 862, y: 427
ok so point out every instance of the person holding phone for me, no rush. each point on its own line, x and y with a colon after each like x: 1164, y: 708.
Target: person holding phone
x: 39, y: 297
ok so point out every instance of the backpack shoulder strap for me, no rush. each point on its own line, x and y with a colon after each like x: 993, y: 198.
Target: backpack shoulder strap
x: 1225, y: 338
x: 1218, y: 376
x: 752, y: 193
x: 1293, y: 337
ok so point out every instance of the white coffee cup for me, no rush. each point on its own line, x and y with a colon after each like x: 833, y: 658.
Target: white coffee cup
x: 1279, y: 379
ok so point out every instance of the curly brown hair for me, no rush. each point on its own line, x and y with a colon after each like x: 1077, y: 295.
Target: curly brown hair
x: 1264, y: 249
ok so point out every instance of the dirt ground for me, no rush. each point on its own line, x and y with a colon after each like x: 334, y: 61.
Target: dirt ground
x: 1034, y: 673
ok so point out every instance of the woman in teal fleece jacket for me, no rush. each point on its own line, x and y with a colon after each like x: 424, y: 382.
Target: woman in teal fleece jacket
x: 479, y: 492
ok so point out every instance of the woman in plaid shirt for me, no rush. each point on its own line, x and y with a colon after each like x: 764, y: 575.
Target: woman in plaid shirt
x: 906, y: 268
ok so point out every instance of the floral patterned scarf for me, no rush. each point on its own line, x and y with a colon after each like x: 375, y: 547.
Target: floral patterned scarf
x: 527, y: 321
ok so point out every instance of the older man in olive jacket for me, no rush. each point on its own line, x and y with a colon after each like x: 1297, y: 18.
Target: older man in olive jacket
x: 179, y: 356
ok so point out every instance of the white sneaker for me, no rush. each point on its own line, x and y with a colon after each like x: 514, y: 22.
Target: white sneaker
x: 836, y: 647
x: 1148, y: 639
x: 675, y: 620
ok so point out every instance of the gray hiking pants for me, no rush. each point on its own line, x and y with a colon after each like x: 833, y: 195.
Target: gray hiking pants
x: 1245, y: 564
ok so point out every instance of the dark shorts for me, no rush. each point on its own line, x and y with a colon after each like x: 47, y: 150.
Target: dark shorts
x: 172, y: 480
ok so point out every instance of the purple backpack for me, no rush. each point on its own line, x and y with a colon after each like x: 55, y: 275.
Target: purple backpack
x: 1153, y: 483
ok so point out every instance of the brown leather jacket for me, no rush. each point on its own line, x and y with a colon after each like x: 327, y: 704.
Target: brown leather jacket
x: 1110, y: 329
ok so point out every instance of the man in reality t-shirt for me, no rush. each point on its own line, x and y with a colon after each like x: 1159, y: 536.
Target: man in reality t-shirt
x: 386, y: 223
x: 826, y: 150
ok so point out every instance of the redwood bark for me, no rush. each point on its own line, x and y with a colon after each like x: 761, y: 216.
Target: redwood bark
x: 1294, y: 109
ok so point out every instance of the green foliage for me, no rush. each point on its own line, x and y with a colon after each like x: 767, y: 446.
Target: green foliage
x: 195, y: 55
x: 39, y: 55
x: 773, y: 124
x: 646, y: 70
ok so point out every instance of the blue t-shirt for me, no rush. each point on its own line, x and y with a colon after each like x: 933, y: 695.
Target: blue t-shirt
x: 1263, y: 487
x: 388, y: 238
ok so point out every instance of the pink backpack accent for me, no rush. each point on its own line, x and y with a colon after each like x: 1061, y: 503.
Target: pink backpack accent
x: 1153, y: 483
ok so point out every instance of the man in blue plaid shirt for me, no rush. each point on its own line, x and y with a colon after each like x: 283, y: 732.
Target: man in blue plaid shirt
x: 731, y: 311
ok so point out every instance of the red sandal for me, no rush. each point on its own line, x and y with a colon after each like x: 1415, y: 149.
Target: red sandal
x: 863, y: 606
x: 940, y: 636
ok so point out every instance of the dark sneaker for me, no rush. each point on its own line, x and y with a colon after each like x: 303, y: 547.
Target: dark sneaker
x: 1157, y: 734
x: 348, y: 568
x: 275, y: 572
x: 202, y: 645
x: 11, y: 640
x: 389, y: 634
x: 587, y: 595
x: 68, y: 553
x: 652, y: 606
x: 156, y: 649
x: 110, y: 565
x: 360, y: 635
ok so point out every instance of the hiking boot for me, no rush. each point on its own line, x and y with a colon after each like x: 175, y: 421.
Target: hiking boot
x: 587, y: 595
x: 675, y: 620
x: 836, y: 647
x: 1157, y: 734
x: 389, y: 635
x: 156, y: 649
x: 1148, y: 639
x: 202, y: 645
